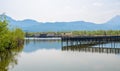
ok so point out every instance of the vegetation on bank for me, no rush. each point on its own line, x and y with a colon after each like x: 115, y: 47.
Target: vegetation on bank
x: 97, y: 32
x: 78, y: 33
x: 9, y: 38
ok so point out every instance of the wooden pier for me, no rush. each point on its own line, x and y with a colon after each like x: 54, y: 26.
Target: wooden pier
x: 77, y: 40
x: 89, y: 43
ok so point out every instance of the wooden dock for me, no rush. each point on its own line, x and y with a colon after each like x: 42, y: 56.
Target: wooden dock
x: 91, y: 38
x: 88, y: 43
x: 76, y: 40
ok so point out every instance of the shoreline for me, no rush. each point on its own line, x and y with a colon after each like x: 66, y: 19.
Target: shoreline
x: 42, y: 38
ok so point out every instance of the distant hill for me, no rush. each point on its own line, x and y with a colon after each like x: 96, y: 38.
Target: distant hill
x: 34, y: 26
x: 114, y: 21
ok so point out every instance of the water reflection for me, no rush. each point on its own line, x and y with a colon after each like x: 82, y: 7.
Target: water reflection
x: 89, y: 48
x: 34, y: 45
x: 50, y: 56
x: 109, y: 48
x: 8, y: 58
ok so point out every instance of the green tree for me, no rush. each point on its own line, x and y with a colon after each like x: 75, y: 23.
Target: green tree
x: 9, y: 38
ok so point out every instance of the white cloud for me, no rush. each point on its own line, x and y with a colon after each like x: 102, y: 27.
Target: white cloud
x: 98, y: 4
x: 60, y: 10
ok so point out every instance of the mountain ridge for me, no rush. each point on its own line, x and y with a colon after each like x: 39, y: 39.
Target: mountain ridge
x: 35, y: 26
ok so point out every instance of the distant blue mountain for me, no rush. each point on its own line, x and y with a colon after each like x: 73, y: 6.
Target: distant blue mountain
x: 114, y: 23
x: 115, y: 20
x: 30, y: 25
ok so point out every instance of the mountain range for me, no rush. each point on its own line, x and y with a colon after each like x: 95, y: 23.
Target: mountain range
x: 29, y: 25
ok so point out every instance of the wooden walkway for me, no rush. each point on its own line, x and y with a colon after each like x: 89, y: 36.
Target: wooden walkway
x: 89, y: 40
x: 87, y: 43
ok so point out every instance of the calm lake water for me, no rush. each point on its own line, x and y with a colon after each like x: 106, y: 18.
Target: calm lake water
x: 51, y: 56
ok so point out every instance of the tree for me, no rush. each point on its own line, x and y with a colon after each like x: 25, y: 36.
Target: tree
x: 9, y: 38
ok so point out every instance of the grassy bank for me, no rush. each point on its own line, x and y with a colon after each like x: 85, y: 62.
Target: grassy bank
x: 9, y: 38
x: 97, y: 32
x: 78, y: 33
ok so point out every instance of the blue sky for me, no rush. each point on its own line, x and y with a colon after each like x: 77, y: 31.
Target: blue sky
x: 97, y: 11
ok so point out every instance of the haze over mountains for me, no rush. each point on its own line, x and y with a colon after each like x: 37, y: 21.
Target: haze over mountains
x: 30, y: 25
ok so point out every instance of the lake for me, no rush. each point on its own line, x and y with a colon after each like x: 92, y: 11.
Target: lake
x: 52, y: 56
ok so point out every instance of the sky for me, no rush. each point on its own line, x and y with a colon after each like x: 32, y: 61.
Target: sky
x: 97, y: 11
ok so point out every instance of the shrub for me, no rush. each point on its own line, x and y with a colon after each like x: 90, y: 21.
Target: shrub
x: 9, y: 38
